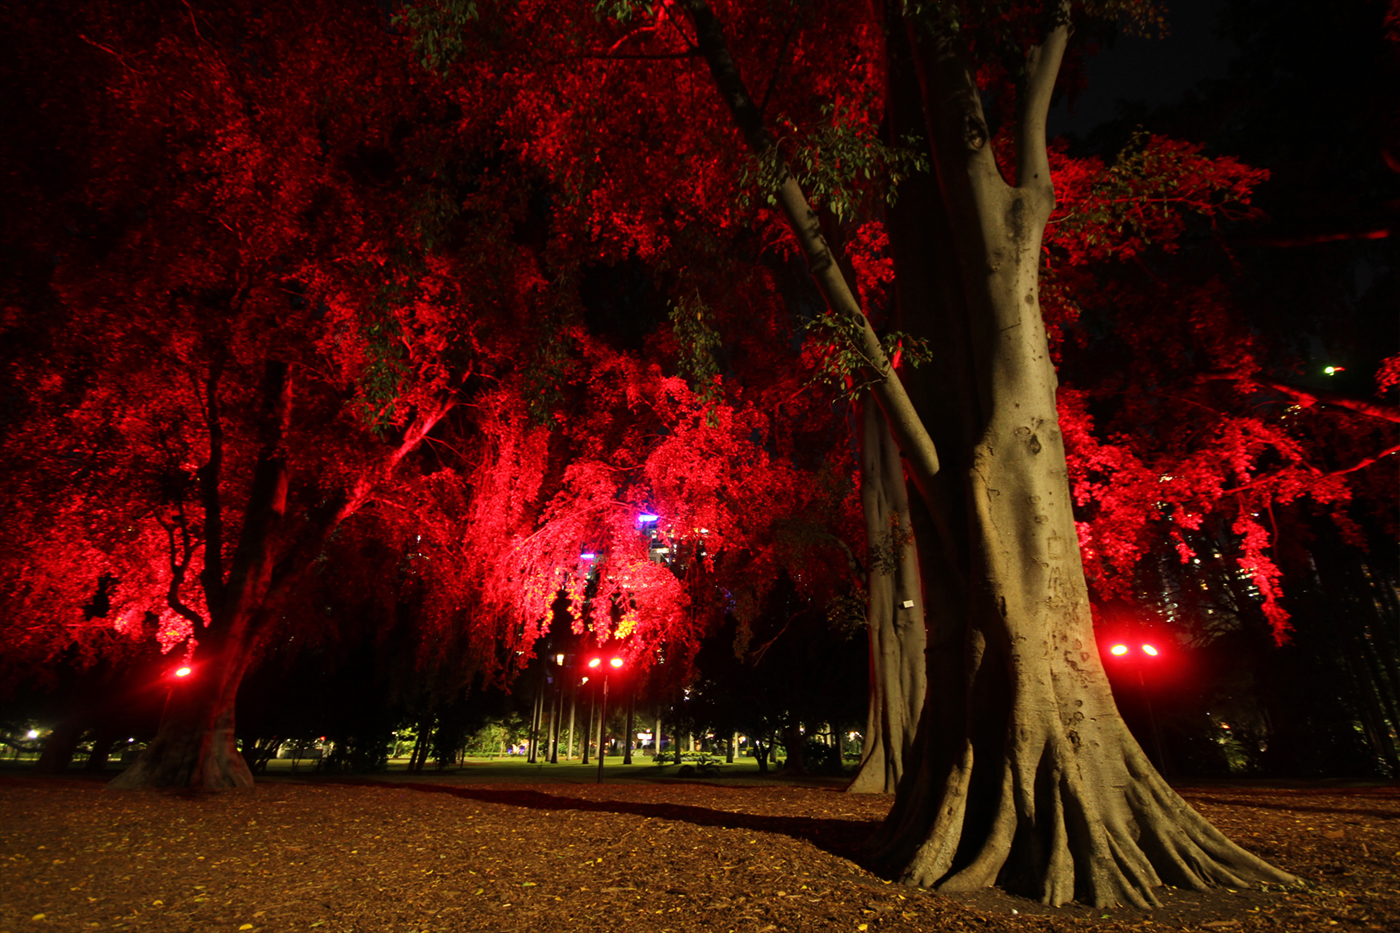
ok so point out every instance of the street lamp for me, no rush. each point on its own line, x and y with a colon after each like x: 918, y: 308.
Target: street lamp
x: 596, y: 664
x: 1124, y: 652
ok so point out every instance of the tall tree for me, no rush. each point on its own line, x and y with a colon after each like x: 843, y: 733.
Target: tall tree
x: 1022, y: 772
x: 239, y: 341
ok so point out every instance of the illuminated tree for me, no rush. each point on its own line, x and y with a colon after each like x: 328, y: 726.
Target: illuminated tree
x: 1023, y: 772
x: 238, y: 346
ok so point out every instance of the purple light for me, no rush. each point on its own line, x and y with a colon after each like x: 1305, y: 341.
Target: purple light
x: 646, y: 517
x: 588, y: 555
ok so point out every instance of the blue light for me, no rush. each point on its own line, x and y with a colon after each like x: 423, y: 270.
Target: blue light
x: 589, y: 555
x: 646, y: 518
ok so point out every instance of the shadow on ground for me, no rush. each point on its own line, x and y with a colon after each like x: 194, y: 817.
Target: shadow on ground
x: 843, y: 838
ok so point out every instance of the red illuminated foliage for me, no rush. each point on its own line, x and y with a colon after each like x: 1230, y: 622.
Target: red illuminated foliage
x: 294, y: 323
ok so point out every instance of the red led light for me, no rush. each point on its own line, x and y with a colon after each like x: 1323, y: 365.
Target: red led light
x: 1119, y: 650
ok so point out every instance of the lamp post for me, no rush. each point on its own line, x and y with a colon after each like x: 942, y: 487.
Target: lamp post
x: 615, y: 663
x: 1145, y: 653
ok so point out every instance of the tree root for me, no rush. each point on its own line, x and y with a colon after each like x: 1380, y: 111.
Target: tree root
x: 1072, y: 822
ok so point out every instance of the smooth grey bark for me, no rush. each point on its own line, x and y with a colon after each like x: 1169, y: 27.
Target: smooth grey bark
x: 1023, y: 773
x: 894, y: 611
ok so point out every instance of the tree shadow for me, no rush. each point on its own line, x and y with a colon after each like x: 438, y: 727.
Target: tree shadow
x: 843, y: 838
x: 1250, y: 802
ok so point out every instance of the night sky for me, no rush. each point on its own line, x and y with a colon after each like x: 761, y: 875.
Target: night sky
x: 1154, y: 71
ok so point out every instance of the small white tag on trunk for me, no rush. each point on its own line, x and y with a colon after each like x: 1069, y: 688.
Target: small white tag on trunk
x: 909, y: 604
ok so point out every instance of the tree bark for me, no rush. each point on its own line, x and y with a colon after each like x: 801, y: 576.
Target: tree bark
x: 1022, y: 773
x: 894, y: 613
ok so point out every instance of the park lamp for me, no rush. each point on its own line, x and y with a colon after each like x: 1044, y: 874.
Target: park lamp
x: 1120, y: 650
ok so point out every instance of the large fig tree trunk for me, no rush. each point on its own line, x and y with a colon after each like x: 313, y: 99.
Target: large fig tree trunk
x: 1022, y: 773
x: 1026, y: 777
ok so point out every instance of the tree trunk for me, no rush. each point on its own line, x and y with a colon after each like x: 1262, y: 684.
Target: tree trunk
x: 628, y: 737
x: 588, y: 729
x: 103, y: 740
x: 195, y: 746
x: 793, y: 742
x: 1022, y: 772
x: 895, y: 612
x: 60, y: 746
x: 573, y: 709
x: 1026, y: 775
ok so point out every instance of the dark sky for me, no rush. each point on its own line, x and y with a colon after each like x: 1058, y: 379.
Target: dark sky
x: 1156, y: 71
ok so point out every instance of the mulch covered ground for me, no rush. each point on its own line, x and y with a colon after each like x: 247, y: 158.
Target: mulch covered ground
x: 664, y: 857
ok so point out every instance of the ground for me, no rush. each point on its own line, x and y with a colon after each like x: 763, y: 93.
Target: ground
x: 544, y: 849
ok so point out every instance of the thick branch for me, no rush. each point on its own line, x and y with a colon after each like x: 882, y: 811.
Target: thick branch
x: 1361, y: 464
x: 914, y: 440
x: 1310, y: 397
x: 1042, y: 66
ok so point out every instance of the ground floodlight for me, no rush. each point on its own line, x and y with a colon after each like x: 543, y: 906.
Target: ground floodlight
x: 595, y: 662
x: 183, y: 672
x: 1149, y: 650
x: 1119, y: 650
x: 616, y: 662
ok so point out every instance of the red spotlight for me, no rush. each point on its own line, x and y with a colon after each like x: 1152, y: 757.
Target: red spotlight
x: 183, y: 672
x: 1118, y: 650
x: 616, y: 662
x: 595, y: 662
x: 1149, y: 650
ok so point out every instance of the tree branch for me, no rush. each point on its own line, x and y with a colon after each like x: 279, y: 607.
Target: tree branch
x: 1309, y: 398
x: 1317, y: 474
x: 914, y: 439
x: 1042, y: 66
